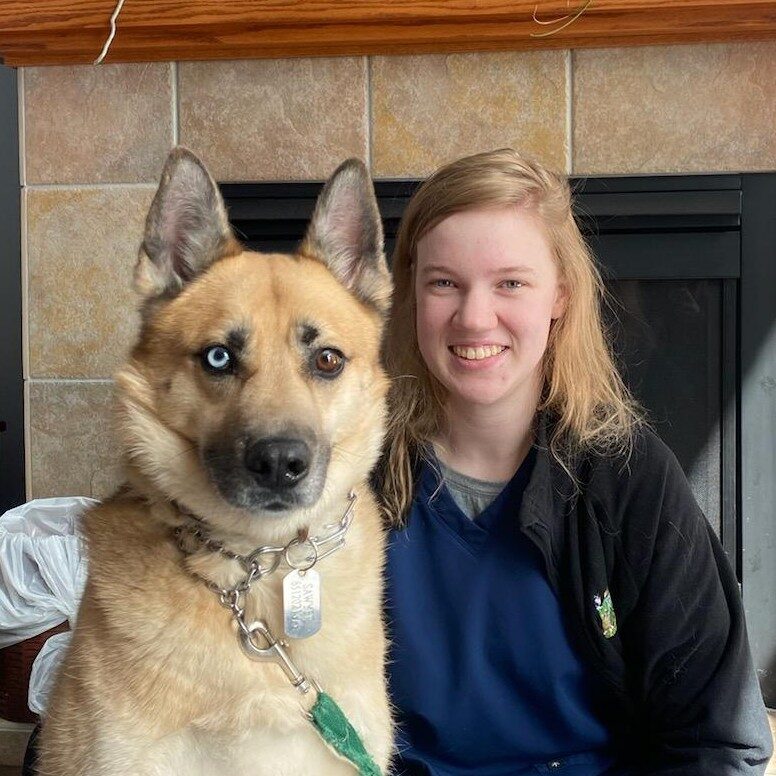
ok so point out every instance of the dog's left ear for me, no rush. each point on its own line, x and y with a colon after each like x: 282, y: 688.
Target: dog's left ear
x: 346, y: 234
x: 187, y: 228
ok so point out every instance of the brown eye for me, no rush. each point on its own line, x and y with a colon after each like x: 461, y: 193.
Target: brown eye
x: 329, y: 362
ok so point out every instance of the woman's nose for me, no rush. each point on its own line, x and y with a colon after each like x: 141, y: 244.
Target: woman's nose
x: 476, y: 312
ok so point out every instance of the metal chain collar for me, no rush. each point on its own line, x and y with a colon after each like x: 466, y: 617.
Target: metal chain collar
x: 232, y: 598
x: 326, y: 716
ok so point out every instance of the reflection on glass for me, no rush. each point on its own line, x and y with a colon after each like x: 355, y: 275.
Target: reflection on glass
x: 668, y: 345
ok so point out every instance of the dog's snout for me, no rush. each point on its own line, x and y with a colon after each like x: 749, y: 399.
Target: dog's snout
x: 277, y: 462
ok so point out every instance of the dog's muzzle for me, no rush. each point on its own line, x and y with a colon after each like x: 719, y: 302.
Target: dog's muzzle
x: 271, y: 473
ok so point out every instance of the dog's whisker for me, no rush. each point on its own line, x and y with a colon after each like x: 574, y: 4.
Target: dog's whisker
x: 188, y: 450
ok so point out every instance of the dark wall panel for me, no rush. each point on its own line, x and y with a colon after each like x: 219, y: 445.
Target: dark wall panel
x: 11, y: 384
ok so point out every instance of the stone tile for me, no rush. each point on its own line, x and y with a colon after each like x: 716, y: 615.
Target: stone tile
x: 427, y: 110
x: 13, y: 743
x: 81, y: 250
x: 72, y: 447
x: 106, y: 124
x: 675, y: 108
x: 284, y: 119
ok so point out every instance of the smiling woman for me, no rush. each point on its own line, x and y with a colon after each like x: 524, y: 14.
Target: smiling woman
x: 482, y: 324
x: 463, y: 227
x: 550, y: 577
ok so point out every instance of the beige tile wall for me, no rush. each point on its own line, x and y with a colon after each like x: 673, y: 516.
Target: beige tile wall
x: 94, y: 140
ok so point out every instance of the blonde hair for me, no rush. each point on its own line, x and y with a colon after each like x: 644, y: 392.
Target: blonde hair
x: 592, y: 409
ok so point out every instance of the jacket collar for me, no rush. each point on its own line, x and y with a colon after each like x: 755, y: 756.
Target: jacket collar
x: 551, y: 492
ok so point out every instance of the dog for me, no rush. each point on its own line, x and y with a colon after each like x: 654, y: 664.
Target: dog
x: 250, y: 414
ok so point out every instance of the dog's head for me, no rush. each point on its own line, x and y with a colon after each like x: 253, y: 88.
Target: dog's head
x: 255, y: 390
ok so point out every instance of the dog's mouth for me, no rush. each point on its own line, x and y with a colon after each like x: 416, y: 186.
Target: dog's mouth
x: 276, y: 506
x: 272, y: 474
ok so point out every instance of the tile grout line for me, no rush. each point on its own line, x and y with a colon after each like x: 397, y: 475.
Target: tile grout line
x: 22, y: 126
x: 80, y: 186
x: 23, y: 259
x: 52, y: 380
x: 27, y: 443
x: 368, y: 84
x: 175, y: 104
x: 25, y: 267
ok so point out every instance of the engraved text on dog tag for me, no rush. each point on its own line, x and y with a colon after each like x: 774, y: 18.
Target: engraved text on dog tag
x: 301, y: 603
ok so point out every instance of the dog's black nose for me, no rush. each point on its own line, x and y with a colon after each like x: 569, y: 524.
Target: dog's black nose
x: 277, y: 462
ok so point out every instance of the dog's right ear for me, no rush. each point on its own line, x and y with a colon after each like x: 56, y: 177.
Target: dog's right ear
x: 187, y: 228
x: 346, y: 234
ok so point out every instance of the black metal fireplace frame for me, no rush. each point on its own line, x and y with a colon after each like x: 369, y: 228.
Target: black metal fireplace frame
x: 699, y: 226
x: 712, y: 215
x: 694, y: 223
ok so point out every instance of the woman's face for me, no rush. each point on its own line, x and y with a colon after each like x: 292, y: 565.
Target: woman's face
x: 486, y: 290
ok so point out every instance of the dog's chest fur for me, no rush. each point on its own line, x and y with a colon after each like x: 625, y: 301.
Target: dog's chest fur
x: 255, y: 752
x: 178, y: 653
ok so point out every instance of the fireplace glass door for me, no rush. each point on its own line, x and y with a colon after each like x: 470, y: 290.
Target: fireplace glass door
x: 689, y: 265
x: 668, y: 341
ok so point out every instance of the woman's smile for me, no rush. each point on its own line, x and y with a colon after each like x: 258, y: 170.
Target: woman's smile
x: 478, y: 357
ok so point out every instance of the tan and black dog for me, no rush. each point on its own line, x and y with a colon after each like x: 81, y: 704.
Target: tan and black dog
x: 250, y: 408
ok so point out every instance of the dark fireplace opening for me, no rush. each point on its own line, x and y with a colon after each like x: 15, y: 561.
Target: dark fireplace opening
x: 690, y: 267
x: 690, y: 264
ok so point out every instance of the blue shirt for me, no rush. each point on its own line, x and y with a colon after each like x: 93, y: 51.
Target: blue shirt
x: 481, y: 669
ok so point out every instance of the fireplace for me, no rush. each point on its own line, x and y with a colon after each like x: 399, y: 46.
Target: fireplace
x: 690, y: 264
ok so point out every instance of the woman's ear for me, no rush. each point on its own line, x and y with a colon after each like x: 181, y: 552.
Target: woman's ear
x: 561, y: 300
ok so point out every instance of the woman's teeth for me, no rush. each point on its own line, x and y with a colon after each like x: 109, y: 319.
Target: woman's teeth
x: 476, y: 354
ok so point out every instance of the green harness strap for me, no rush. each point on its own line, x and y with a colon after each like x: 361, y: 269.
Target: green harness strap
x: 335, y: 729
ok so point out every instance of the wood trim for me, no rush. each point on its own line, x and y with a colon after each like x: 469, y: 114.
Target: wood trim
x: 41, y: 32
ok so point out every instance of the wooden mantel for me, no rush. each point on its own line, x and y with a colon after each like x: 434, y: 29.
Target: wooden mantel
x: 43, y: 32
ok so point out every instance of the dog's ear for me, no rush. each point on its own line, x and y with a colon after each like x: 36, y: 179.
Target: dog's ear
x: 346, y: 234
x: 186, y: 229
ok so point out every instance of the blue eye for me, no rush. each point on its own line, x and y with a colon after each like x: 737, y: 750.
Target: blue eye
x: 217, y: 359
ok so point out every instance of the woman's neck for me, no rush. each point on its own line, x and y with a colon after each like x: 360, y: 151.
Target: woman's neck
x: 487, y: 443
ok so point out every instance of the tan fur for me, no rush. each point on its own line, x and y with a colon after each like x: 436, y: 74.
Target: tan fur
x: 154, y: 683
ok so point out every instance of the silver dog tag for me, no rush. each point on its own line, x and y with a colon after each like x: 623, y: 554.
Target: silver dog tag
x: 301, y: 603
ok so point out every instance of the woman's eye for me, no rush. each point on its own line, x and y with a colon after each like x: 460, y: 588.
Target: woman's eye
x: 442, y: 283
x: 512, y: 285
x: 217, y: 359
x: 329, y: 362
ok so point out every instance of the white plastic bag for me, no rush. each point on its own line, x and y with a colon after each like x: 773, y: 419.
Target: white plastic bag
x: 44, y: 669
x: 42, y: 577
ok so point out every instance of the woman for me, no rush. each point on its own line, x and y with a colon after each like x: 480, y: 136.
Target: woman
x: 556, y: 599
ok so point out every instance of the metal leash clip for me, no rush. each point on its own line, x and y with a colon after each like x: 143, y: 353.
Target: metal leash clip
x: 274, y: 652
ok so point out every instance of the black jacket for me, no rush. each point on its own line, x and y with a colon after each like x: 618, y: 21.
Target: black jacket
x: 677, y: 675
x: 678, y: 688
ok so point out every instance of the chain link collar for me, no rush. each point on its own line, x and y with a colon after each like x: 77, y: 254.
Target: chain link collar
x: 233, y: 598
x: 265, y: 560
x: 326, y: 716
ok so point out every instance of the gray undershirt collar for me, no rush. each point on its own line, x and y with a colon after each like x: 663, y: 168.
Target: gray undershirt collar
x: 472, y: 496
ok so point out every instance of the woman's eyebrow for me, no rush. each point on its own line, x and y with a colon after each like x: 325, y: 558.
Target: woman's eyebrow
x: 435, y: 268
x: 519, y: 269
